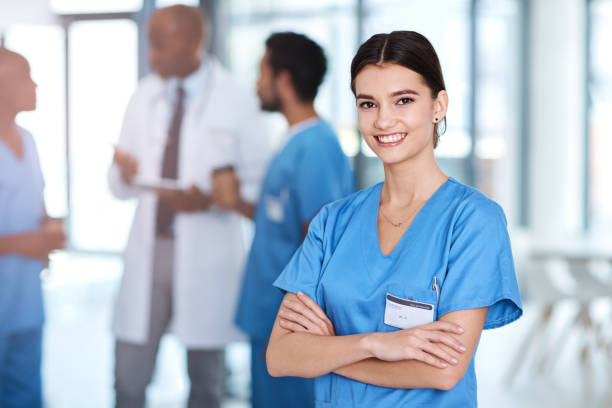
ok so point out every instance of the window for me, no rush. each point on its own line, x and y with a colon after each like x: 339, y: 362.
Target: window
x: 599, y: 200
x: 103, y: 74
x: 94, y: 6
x: 497, y: 104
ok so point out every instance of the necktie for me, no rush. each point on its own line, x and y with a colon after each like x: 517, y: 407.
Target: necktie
x: 165, y: 213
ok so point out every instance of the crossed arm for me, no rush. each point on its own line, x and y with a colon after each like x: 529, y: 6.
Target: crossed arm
x: 435, y: 355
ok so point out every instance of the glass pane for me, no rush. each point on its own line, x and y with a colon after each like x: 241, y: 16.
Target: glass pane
x: 166, y: 3
x: 600, y: 146
x: 279, y: 6
x: 94, y: 6
x: 449, y: 34
x: 103, y: 75
x: 498, y: 103
x: 43, y: 46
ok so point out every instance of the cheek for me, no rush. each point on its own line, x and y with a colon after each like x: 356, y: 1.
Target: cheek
x: 365, y: 120
x: 416, y: 117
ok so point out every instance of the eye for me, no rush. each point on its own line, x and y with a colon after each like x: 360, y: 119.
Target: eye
x: 367, y: 105
x: 404, y: 101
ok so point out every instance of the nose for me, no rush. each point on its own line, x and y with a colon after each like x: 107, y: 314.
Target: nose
x: 384, y: 118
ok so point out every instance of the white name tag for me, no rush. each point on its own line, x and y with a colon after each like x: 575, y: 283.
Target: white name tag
x: 274, y: 209
x: 405, y: 313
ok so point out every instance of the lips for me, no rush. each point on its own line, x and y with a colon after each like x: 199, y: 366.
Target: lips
x: 390, y: 139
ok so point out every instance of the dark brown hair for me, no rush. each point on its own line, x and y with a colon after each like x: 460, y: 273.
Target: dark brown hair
x: 303, y: 58
x: 408, y: 49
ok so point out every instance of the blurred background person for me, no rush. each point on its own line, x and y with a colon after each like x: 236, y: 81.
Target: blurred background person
x: 184, y: 257
x: 309, y: 170
x: 26, y: 239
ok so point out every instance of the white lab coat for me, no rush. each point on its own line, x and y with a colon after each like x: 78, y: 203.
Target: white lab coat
x: 209, y: 248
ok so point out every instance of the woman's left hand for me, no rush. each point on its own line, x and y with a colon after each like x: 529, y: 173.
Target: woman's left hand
x: 305, y: 315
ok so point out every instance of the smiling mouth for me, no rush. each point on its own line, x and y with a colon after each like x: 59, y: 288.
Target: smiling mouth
x: 390, y: 139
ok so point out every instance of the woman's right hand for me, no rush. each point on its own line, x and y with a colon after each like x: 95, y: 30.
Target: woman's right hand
x: 38, y: 244
x: 422, y: 343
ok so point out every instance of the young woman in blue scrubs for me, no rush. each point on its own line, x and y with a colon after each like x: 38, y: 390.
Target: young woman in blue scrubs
x: 24, y: 242
x: 389, y: 293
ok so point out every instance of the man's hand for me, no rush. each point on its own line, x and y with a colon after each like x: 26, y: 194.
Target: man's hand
x: 128, y: 165
x: 226, y: 190
x: 188, y: 201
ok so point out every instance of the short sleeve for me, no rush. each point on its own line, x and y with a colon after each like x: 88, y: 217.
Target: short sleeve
x: 480, y: 269
x: 303, y: 271
x: 321, y: 177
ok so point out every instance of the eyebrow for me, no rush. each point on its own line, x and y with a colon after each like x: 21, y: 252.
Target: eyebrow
x: 396, y: 93
x: 404, y: 92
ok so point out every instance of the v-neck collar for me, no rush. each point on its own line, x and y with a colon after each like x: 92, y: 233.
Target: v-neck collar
x: 24, y: 146
x: 371, y: 224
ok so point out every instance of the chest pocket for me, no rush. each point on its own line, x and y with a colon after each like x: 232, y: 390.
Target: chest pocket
x: 277, y: 192
x: 409, y: 305
x: 276, y: 205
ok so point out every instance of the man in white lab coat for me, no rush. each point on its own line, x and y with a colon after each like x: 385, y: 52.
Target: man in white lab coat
x: 184, y: 256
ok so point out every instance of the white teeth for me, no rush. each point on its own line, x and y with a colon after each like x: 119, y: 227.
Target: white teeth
x: 391, y: 138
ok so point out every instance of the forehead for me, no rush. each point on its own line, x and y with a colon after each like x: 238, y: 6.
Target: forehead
x: 12, y: 64
x: 385, y: 78
x: 163, y: 23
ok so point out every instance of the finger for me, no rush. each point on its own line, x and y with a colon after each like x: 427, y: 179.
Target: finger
x: 302, y: 309
x: 437, y: 351
x: 444, y: 326
x: 431, y: 360
x: 441, y: 337
x: 294, y: 327
x: 314, y: 306
x: 297, y: 318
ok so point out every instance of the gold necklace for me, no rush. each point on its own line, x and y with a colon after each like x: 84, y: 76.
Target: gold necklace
x: 395, y: 224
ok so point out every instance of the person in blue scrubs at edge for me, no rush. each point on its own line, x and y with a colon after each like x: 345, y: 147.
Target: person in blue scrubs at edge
x: 309, y: 171
x: 388, y: 294
x: 26, y: 240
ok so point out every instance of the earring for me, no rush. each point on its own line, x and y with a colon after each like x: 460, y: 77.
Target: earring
x: 436, y: 120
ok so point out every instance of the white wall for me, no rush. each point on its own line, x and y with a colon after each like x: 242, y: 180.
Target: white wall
x: 556, y: 177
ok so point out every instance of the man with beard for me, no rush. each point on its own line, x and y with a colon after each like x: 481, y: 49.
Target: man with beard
x: 309, y: 171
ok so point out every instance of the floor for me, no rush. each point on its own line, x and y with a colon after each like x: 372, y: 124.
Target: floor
x: 78, y: 359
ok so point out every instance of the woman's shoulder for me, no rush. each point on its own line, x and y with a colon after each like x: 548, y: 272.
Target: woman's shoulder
x: 472, y: 204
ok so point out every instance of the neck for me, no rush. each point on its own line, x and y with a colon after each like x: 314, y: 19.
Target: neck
x: 7, y: 123
x: 296, y: 112
x: 413, y: 180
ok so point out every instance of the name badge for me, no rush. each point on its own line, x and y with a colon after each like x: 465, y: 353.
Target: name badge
x: 274, y: 209
x: 406, y: 313
x: 275, y: 206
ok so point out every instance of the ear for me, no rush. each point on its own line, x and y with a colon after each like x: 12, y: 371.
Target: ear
x: 440, y: 107
x: 283, y: 83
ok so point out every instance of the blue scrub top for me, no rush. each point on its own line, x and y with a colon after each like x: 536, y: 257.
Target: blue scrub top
x: 459, y: 237
x: 309, y: 172
x: 21, y: 210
